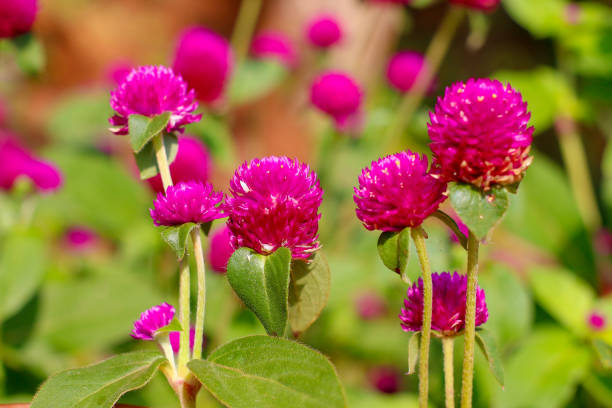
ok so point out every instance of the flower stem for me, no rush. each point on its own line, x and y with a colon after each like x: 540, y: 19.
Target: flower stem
x: 418, y: 236
x: 184, y: 313
x: 162, y: 160
x: 449, y: 380
x: 200, y: 308
x: 433, y: 58
x: 245, y: 24
x: 470, y: 322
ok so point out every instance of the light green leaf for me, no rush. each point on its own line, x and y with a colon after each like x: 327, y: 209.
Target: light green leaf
x: 542, y: 18
x: 144, y: 128
x: 604, y: 352
x: 394, y: 250
x: 262, y: 282
x: 177, y: 237
x: 478, y: 210
x: 30, y: 54
x: 413, y: 352
x: 99, y: 385
x: 254, y: 79
x: 146, y: 160
x: 488, y: 346
x: 173, y: 326
x: 363, y: 398
x: 269, y: 372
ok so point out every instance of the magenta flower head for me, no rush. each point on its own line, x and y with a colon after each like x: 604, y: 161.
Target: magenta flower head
x: 187, y: 202
x: 80, y: 238
x: 484, y: 5
x: 403, y: 70
x: 151, y: 320
x: 385, y: 379
x: 274, y: 45
x: 338, y: 95
x: 596, y: 321
x: 220, y: 249
x: 397, y: 192
x: 370, y: 306
x: 150, y: 91
x: 192, y: 163
x: 479, y: 134
x: 204, y: 59
x: 448, y: 312
x: 274, y: 203
x: 16, y: 17
x: 324, y: 31
x: 175, y: 340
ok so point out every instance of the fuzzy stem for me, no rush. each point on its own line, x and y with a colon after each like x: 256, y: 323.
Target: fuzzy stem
x: 200, y: 308
x: 244, y: 27
x: 449, y: 380
x: 418, y: 236
x: 470, y: 321
x: 163, y: 340
x: 162, y: 160
x: 187, y: 398
x: 184, y: 313
x: 438, y: 48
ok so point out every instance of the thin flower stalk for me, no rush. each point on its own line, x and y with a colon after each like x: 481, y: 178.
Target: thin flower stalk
x: 198, y: 252
x: 162, y: 160
x: 184, y: 319
x: 245, y: 25
x: 449, y: 378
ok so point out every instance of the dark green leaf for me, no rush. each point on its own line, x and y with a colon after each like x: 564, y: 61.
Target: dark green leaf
x: 99, y: 385
x: 254, y: 79
x: 146, y: 160
x: 269, y: 372
x: 480, y: 211
x: 488, y: 346
x: 143, y: 129
x: 413, y: 352
x: 604, y: 352
x: 30, y: 54
x: 262, y: 282
x: 177, y: 237
x: 394, y: 250
x: 308, y: 291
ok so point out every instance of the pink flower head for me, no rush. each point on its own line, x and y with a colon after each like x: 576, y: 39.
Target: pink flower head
x: 484, y: 5
x: 80, y: 238
x: 385, y: 379
x: 274, y: 45
x: 448, y: 314
x: 403, y: 70
x: 175, y: 340
x: 370, y: 306
x: 392, y: 1
x: 274, y: 203
x: 204, y: 59
x: 597, y: 321
x: 16, y: 162
x: 118, y: 71
x: 16, y: 17
x: 187, y: 202
x: 338, y: 95
x: 220, y: 249
x: 324, y: 31
x: 150, y: 91
x: 573, y: 13
x: 192, y: 163
x: 152, y: 320
x: 479, y: 134
x: 397, y: 192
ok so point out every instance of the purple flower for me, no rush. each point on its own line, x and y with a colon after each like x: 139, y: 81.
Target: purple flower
x: 205, y: 61
x: 187, y: 202
x: 448, y: 311
x: 484, y: 5
x: 338, y: 95
x: 397, y: 192
x: 220, y: 249
x: 275, y: 45
x: 403, y: 70
x: 324, y: 31
x: 152, y: 320
x: 274, y: 203
x: 80, y: 238
x: 175, y: 340
x: 150, y: 91
x: 17, y: 162
x: 597, y: 321
x: 192, y: 163
x: 16, y: 17
x: 479, y: 134
x: 370, y: 306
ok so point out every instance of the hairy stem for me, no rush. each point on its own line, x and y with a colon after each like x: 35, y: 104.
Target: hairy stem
x: 184, y: 312
x: 449, y: 378
x: 244, y: 27
x: 162, y: 160
x: 198, y: 252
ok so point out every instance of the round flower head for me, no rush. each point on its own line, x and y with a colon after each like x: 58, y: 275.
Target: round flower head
x: 187, y: 202
x: 385, y: 379
x: 324, y: 31
x: 16, y: 17
x: 118, y: 71
x: 397, y: 192
x: 448, y: 309
x: 220, y: 249
x: 403, y: 70
x: 192, y: 163
x: 80, y: 238
x: 152, y: 320
x: 274, y: 203
x: 479, y: 134
x: 274, y: 45
x: 204, y: 59
x: 597, y: 321
x: 484, y: 5
x: 370, y: 306
x: 338, y: 95
x: 150, y: 91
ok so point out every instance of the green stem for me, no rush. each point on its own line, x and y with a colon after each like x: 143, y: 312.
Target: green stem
x: 470, y: 321
x: 162, y: 160
x: 449, y: 379
x: 184, y: 312
x: 328, y: 148
x: 433, y: 58
x: 201, y: 297
x: 244, y: 27
x: 163, y: 340
x: 418, y: 236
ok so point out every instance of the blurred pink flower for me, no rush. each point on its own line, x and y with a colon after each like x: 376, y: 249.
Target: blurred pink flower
x: 385, y: 379
x: 597, y: 321
x: 220, y: 249
x: 17, y: 17
x: 275, y: 45
x: 403, y: 70
x: 484, y: 5
x: 370, y: 306
x: 324, y: 30
x: 80, y: 238
x: 175, y: 340
x: 338, y: 95
x: 118, y: 71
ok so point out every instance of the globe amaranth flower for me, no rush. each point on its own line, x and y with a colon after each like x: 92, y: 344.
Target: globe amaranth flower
x: 205, y: 61
x: 274, y: 45
x: 448, y: 308
x: 274, y: 203
x: 150, y: 91
x: 220, y: 249
x: 175, y: 340
x: 386, y: 379
x: 187, y: 202
x: 479, y: 134
x: 403, y: 70
x: 370, y: 306
x: 397, y: 191
x: 151, y: 320
x: 484, y: 5
x: 596, y: 321
x: 16, y: 162
x: 79, y: 238
x: 324, y: 31
x: 16, y: 17
x: 338, y: 95
x: 192, y: 163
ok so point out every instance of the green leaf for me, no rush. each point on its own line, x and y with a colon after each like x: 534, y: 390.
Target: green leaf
x: 394, y: 250
x: 363, y: 398
x: 144, y: 128
x: 173, y: 326
x: 30, y: 54
x: 478, y: 210
x: 604, y: 352
x: 542, y: 18
x: 262, y: 282
x: 177, y: 237
x: 99, y: 385
x: 269, y: 372
x: 488, y: 346
x: 146, y: 160
x: 254, y: 79
x: 308, y: 291
x: 413, y: 352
